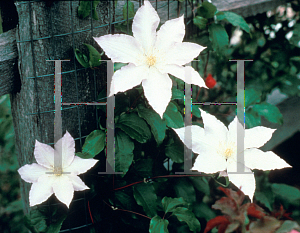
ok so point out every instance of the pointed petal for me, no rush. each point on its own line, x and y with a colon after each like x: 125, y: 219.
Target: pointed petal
x: 180, y: 72
x: 44, y: 154
x: 183, y: 53
x: 120, y: 48
x: 257, y: 159
x: 171, y: 32
x: 128, y: 77
x: 244, y: 181
x: 215, y: 130
x: 144, y: 25
x: 63, y: 189
x: 78, y: 184
x: 158, y: 90
x: 41, y: 190
x: 31, y: 172
x: 208, y: 161
x: 232, y: 130
x: 79, y: 165
x: 198, y: 137
x: 257, y: 136
x: 68, y: 149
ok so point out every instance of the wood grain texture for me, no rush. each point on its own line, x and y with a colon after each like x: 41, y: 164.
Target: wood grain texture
x: 32, y: 106
x: 9, y: 76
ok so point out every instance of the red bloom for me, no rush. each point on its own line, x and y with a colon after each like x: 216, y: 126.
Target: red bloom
x: 210, y: 81
x: 220, y: 221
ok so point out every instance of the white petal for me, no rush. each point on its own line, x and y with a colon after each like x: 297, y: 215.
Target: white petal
x: 232, y: 130
x: 180, y: 72
x: 78, y: 184
x: 44, y: 154
x: 208, y: 161
x: 79, y: 165
x: 120, y: 48
x: 128, y: 77
x: 68, y: 149
x: 144, y: 25
x: 31, y: 173
x: 257, y: 159
x: 63, y: 189
x: 183, y: 53
x: 215, y: 130
x: 158, y: 90
x: 198, y: 137
x: 244, y: 181
x: 41, y: 190
x: 171, y: 32
x: 257, y: 136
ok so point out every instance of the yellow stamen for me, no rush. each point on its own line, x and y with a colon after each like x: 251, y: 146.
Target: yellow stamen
x: 151, y: 60
x: 226, y: 149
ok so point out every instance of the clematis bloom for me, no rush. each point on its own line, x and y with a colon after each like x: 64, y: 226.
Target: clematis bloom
x: 217, y: 149
x: 152, y: 56
x: 62, y: 185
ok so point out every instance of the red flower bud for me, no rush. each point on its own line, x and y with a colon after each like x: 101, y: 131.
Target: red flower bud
x: 210, y: 81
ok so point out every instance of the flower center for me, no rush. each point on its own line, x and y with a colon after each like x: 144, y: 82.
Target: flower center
x: 226, y: 149
x: 150, y: 60
x: 57, y: 171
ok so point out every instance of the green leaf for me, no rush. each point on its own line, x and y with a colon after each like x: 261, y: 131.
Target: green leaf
x: 124, y: 152
x: 207, y: 10
x: 130, y: 10
x: 252, y: 119
x: 35, y: 221
x: 94, y: 12
x: 288, y: 226
x: 288, y: 193
x: 56, y: 225
x: 94, y: 143
x: 173, y: 118
x: 184, y: 188
x: 200, y: 22
x: 169, y: 203
x: 158, y: 126
x: 195, y: 111
x: 202, y: 210
x: 84, y: 9
x: 94, y: 56
x: 187, y: 216
x: 145, y: 196
x: 81, y: 58
x: 135, y: 127
x: 201, y: 184
x: 158, y: 225
x: 252, y: 97
x: 263, y: 199
x: 177, y: 94
x: 269, y: 111
x: 234, y: 19
x: 219, y: 37
x: 295, y: 39
x: 175, y: 151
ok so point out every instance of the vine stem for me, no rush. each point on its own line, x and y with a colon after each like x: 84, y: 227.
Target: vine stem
x: 90, y: 212
x: 114, y: 208
x: 156, y: 177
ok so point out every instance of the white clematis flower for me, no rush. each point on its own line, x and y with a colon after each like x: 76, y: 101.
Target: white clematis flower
x: 63, y: 186
x: 217, y: 149
x: 151, y: 56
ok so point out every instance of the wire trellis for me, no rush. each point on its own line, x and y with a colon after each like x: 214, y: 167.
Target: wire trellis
x: 110, y: 25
